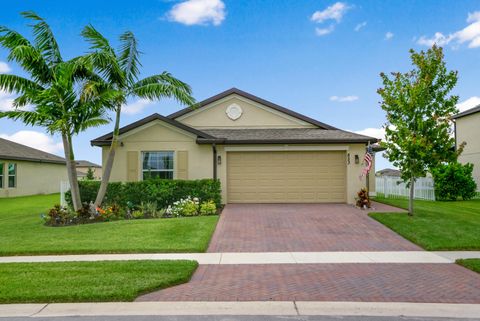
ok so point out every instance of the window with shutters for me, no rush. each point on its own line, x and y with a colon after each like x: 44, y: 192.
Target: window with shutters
x: 157, y: 164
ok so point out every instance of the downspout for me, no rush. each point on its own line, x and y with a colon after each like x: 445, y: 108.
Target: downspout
x: 214, y: 148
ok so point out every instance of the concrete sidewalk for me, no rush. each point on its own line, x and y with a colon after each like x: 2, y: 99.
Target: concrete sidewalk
x: 285, y: 308
x: 265, y: 257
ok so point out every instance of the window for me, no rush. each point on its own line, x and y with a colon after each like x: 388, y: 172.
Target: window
x: 157, y: 165
x: 2, y: 170
x: 12, y: 175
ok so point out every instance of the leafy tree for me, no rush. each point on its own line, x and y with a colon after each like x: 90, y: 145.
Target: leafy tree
x: 90, y: 174
x: 65, y: 96
x: 418, y: 104
x: 120, y: 68
x: 454, y: 180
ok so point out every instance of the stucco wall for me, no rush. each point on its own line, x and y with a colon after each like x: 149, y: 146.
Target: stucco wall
x: 97, y: 172
x: 35, y: 178
x: 468, y: 130
x: 254, y: 116
x: 158, y: 136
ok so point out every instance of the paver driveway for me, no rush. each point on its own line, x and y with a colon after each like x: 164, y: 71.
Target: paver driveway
x: 317, y: 227
x: 303, y: 228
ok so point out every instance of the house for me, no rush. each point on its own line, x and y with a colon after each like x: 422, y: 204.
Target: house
x: 261, y: 152
x: 390, y: 172
x: 28, y: 171
x: 467, y: 129
x: 83, y: 166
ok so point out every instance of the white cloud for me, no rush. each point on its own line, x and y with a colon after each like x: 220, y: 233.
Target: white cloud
x: 469, y: 103
x: 4, y: 68
x: 389, y: 35
x: 198, y: 12
x: 324, y: 31
x: 36, y: 140
x: 344, y: 99
x: 136, y: 107
x: 6, y: 102
x: 470, y: 34
x: 334, y: 12
x: 360, y: 26
x: 372, y: 132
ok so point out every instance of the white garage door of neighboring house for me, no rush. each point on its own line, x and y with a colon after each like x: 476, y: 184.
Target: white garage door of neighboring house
x: 286, y: 177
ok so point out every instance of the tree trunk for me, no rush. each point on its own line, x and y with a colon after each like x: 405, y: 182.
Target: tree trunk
x: 412, y: 195
x: 72, y: 172
x: 109, y: 163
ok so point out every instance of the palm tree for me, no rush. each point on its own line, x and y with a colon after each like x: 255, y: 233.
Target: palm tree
x: 120, y: 68
x: 66, y: 96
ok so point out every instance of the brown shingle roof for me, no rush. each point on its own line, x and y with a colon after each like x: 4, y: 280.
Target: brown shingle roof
x: 13, y: 151
x: 284, y: 135
x: 85, y: 163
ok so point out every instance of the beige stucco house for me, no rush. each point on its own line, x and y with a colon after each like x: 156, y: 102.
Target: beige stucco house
x: 28, y: 171
x: 83, y: 166
x: 261, y: 152
x: 467, y: 129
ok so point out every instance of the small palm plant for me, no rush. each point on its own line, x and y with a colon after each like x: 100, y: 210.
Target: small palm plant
x: 120, y: 68
x: 66, y: 97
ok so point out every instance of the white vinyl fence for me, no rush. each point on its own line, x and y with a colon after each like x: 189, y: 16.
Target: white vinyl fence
x: 394, y: 187
x: 64, y: 187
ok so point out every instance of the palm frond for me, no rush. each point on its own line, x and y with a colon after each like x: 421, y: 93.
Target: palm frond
x: 164, y: 85
x: 17, y: 85
x: 129, y: 56
x: 44, y: 39
x: 96, y: 40
x: 31, y: 118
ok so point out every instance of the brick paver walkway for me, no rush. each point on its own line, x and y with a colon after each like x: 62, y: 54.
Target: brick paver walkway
x: 442, y: 283
x: 303, y: 228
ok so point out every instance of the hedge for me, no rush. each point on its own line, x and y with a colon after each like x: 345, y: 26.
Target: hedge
x: 162, y: 191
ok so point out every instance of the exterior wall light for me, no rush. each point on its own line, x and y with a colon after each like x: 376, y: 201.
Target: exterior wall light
x: 357, y: 159
x: 219, y: 160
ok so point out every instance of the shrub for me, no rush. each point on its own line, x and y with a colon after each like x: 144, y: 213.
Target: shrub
x: 363, y: 200
x: 163, y: 192
x: 454, y: 180
x: 184, y: 207
x: 208, y: 208
x: 59, y: 215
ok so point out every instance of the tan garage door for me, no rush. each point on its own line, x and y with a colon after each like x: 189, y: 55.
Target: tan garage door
x: 286, y: 177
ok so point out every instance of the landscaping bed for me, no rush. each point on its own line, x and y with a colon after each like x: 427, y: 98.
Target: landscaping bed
x: 89, y: 281
x: 436, y: 225
x: 22, y: 232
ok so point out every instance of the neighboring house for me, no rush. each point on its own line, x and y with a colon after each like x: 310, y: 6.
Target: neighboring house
x: 83, y: 166
x: 261, y: 152
x: 28, y: 171
x: 467, y: 129
x: 388, y: 172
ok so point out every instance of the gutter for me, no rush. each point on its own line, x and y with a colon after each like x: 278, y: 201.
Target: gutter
x: 203, y: 141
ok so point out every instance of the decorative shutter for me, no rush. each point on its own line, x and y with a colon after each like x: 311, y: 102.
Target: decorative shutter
x: 132, y: 166
x: 182, y: 165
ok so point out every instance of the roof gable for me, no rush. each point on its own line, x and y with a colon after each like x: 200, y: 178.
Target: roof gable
x: 105, y: 140
x: 279, y: 110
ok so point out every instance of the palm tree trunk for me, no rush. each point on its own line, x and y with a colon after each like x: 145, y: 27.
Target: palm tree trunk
x: 109, y: 163
x: 72, y: 172
x: 412, y: 195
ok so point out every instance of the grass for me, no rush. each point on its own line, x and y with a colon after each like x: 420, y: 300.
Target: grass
x: 22, y: 232
x: 436, y: 226
x: 472, y: 264
x: 88, y: 281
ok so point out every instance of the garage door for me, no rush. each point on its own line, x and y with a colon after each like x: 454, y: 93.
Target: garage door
x: 286, y: 177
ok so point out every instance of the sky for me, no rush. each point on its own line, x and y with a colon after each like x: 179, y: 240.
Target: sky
x: 319, y: 58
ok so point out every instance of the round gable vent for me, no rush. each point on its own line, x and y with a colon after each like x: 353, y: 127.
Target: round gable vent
x: 234, y: 111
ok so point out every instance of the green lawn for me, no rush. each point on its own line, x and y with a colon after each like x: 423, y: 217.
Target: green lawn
x: 88, y: 281
x: 436, y: 225
x: 22, y: 232
x: 472, y: 264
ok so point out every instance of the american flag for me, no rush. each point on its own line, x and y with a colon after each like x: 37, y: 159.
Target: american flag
x: 368, y: 160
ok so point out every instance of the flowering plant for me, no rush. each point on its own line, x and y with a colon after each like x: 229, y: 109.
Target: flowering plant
x: 184, y: 207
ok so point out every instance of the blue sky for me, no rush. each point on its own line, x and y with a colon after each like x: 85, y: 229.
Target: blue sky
x: 320, y: 58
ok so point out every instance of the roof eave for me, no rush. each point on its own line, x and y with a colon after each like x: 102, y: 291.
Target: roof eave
x: 284, y: 141
x: 35, y: 160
